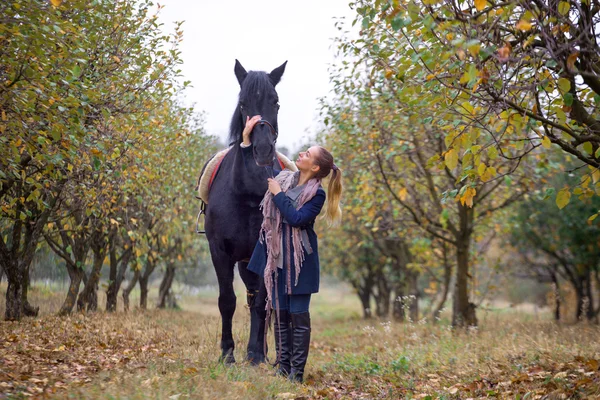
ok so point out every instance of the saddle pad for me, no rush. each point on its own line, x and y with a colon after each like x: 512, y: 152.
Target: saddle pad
x: 212, y: 166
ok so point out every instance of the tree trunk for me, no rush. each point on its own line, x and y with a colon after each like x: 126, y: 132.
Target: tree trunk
x: 118, y: 267
x: 463, y: 312
x: 398, y: 309
x: 446, y: 289
x: 127, y: 290
x: 412, y: 277
x: 144, y: 278
x: 75, y: 275
x: 88, y: 298
x: 143, y: 293
x: 14, y: 295
x: 556, y: 289
x: 382, y: 298
x: 579, y: 303
x: 590, y: 311
x: 165, y: 297
x: 28, y: 309
x: 365, y: 302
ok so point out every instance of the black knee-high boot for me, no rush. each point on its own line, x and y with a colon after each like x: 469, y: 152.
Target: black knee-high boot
x: 300, y: 344
x: 283, y: 334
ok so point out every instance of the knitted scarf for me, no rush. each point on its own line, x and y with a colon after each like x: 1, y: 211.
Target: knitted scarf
x: 271, y: 228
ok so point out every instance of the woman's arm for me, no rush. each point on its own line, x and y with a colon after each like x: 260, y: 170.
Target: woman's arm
x: 307, y: 213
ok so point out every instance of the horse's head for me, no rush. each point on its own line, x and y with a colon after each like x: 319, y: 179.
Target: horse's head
x: 258, y: 97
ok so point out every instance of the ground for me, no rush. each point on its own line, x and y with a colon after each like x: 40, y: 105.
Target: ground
x: 173, y: 355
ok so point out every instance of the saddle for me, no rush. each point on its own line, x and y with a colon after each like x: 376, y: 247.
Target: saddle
x: 210, y: 169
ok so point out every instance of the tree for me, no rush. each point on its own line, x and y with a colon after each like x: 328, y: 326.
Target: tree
x: 88, y: 94
x: 413, y: 150
x: 561, y: 246
x: 525, y: 73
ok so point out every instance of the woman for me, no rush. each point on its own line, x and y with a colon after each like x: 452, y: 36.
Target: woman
x: 286, y: 254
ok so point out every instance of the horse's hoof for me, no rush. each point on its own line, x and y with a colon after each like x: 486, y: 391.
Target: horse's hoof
x: 227, y: 358
x: 255, y: 359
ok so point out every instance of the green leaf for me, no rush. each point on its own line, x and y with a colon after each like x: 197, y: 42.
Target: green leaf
x: 568, y: 99
x: 397, y: 23
x: 76, y: 72
x: 588, y: 148
x: 365, y: 23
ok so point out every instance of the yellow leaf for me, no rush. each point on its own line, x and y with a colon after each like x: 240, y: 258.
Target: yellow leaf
x: 56, y: 3
x: 489, y: 173
x: 467, y: 197
x: 430, y: 77
x: 593, y: 217
x: 4, y: 118
x: 546, y: 142
x: 481, y: 169
x: 480, y: 4
x: 474, y: 49
x: 596, y: 175
x: 451, y: 158
x: 563, y: 7
x: 563, y: 197
x: 469, y: 107
x: 523, y: 25
x: 402, y: 193
x: 588, y: 148
x: 388, y: 73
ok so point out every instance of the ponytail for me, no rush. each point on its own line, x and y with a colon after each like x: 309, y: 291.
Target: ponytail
x: 333, y: 211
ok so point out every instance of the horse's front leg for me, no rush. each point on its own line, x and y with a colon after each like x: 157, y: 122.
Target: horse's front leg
x: 256, y: 297
x: 227, y: 299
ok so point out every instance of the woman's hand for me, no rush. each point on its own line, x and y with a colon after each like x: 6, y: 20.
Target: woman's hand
x: 250, y: 122
x: 274, y: 186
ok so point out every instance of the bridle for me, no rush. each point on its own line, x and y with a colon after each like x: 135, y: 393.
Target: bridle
x: 268, y: 168
x: 271, y: 127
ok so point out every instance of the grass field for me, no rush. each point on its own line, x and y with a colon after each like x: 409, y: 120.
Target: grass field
x: 161, y: 354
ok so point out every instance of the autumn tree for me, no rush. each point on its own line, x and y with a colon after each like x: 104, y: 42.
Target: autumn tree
x: 414, y: 144
x: 561, y: 246
x: 528, y: 68
x: 88, y: 94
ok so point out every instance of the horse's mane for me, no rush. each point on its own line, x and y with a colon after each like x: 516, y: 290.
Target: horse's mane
x: 255, y: 82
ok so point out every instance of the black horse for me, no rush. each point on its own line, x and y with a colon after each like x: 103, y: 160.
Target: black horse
x: 233, y: 217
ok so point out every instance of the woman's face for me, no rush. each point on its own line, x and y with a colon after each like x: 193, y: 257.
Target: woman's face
x: 306, y: 160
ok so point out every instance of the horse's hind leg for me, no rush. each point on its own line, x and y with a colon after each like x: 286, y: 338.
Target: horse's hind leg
x: 256, y: 296
x: 224, y: 269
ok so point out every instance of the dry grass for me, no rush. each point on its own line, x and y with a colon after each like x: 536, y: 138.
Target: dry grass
x: 173, y: 354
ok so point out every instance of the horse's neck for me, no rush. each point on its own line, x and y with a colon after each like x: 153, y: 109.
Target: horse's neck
x: 246, y: 178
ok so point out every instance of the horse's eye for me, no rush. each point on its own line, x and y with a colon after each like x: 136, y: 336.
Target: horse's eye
x: 241, y: 108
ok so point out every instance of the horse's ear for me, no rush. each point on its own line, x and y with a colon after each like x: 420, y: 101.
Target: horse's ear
x: 275, y: 75
x: 240, y: 72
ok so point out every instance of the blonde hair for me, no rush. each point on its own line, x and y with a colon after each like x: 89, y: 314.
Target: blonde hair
x: 333, y: 211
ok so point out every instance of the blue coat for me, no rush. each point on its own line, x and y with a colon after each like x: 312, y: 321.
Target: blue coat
x: 308, y: 280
